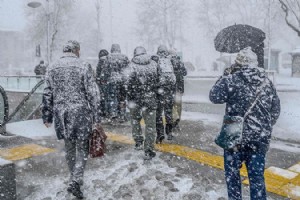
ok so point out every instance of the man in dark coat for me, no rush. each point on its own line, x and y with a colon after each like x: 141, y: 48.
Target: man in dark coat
x: 117, y: 62
x: 142, y: 91
x: 102, y: 75
x: 180, y: 72
x: 71, y: 98
x: 166, y: 94
x: 238, y: 89
x: 40, y: 69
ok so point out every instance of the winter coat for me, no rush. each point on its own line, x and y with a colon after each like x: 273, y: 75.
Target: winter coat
x: 40, y: 70
x: 180, y: 72
x: 166, y: 73
x: 71, y: 97
x: 102, y: 74
x: 238, y: 91
x: 142, y: 82
x: 116, y: 63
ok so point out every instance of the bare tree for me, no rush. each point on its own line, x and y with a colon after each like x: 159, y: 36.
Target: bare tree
x: 217, y: 14
x: 54, y: 14
x: 159, y: 21
x: 291, y: 8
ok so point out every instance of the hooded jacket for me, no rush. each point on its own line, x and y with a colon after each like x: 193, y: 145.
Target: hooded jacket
x: 166, y: 73
x: 142, y: 81
x: 116, y: 63
x: 238, y: 91
x: 71, y: 97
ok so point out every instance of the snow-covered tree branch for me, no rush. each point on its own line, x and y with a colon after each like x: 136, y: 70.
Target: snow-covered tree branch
x: 291, y: 8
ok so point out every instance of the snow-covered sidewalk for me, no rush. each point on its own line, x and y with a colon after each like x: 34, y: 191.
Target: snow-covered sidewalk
x: 126, y: 176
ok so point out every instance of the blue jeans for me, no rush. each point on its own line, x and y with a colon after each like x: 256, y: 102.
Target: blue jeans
x: 255, y: 163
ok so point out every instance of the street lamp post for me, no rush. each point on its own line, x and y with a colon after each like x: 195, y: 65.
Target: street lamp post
x: 35, y: 4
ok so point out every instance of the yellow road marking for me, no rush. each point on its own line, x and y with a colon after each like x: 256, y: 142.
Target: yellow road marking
x: 23, y: 152
x: 279, y: 181
x: 295, y: 168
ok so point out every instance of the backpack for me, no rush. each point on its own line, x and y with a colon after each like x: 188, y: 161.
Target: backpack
x: 166, y: 71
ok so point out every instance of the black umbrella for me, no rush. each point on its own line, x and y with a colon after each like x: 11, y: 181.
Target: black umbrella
x: 237, y: 37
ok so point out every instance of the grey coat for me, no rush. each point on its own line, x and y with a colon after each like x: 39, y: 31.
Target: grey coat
x: 71, y: 97
x: 143, y: 82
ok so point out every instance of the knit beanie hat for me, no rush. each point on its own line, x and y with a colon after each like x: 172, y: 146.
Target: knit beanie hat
x: 247, y: 57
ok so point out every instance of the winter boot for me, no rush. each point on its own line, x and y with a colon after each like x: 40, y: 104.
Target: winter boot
x: 138, y: 146
x: 149, y: 154
x: 74, y: 188
x: 169, y: 131
x: 175, y: 124
x: 160, y: 138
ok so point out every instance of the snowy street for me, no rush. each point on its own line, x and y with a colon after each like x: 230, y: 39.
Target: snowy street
x: 122, y: 173
x: 149, y: 100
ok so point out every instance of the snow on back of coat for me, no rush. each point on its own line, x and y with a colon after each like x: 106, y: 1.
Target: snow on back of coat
x: 116, y: 63
x: 165, y: 65
x: 166, y: 71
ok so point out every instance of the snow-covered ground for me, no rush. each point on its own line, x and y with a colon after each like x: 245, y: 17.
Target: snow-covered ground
x: 288, y: 126
x: 126, y: 176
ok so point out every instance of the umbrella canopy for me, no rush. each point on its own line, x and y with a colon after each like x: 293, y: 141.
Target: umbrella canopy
x: 237, y: 37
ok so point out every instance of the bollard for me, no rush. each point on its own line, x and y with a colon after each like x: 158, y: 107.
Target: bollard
x: 7, y: 180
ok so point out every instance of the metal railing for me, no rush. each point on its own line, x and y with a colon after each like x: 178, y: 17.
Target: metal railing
x: 30, y: 103
x: 19, y: 83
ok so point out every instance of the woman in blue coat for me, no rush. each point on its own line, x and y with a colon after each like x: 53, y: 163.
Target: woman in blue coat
x: 238, y: 89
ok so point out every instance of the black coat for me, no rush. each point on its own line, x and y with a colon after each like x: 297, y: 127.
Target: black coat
x: 180, y: 72
x: 102, y: 74
x: 115, y: 65
x: 40, y: 70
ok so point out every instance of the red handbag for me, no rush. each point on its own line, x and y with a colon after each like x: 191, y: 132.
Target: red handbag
x: 97, y: 143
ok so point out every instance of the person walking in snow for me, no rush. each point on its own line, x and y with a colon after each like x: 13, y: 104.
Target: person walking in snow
x: 102, y: 75
x: 71, y: 101
x: 142, y: 91
x: 239, y: 89
x: 166, y: 94
x: 117, y: 62
x: 180, y: 72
